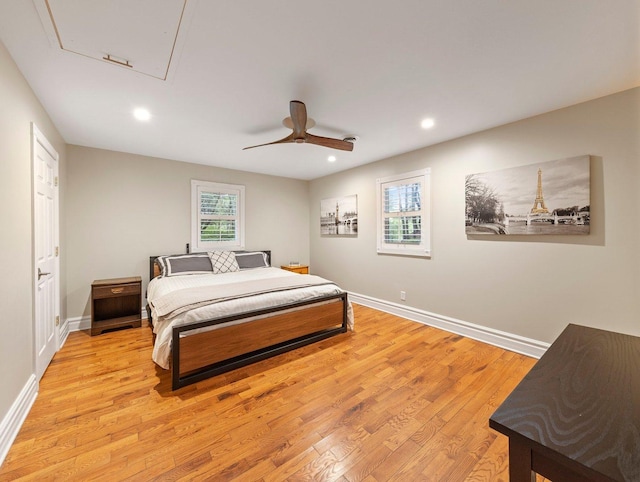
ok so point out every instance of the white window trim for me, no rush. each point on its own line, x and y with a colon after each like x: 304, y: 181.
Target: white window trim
x: 208, y: 186
x: 424, y: 248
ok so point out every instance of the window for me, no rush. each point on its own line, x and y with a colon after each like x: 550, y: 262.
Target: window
x: 404, y: 224
x: 217, y: 216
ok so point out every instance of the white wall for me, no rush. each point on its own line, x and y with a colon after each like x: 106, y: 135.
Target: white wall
x: 123, y: 208
x: 529, y: 286
x: 19, y: 108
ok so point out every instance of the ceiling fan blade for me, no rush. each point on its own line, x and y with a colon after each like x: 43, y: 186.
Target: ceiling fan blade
x: 289, y: 138
x: 299, y: 118
x: 329, y: 142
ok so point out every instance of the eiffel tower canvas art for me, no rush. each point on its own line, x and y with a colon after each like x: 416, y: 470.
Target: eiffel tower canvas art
x: 547, y: 198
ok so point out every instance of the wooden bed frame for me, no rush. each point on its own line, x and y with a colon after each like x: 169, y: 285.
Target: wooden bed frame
x: 277, y: 330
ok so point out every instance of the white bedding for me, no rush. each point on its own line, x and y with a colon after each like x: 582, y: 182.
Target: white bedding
x: 159, y: 287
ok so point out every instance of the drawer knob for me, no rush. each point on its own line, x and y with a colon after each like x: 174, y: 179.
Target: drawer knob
x: 115, y: 291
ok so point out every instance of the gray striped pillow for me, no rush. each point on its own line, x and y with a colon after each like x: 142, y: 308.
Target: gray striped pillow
x: 183, y: 264
x: 251, y: 260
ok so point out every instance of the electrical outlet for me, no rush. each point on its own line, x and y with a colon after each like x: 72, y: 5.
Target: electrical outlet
x: 403, y: 296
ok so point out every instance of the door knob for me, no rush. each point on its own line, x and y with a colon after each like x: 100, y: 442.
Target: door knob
x: 41, y: 274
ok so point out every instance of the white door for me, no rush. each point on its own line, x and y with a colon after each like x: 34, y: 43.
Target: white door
x: 46, y: 261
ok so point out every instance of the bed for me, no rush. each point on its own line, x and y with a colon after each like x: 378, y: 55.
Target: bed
x: 215, y: 312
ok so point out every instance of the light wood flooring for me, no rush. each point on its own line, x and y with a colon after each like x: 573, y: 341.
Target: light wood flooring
x: 395, y: 400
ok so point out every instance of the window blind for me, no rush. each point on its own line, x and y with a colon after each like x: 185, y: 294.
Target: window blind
x: 404, y: 214
x: 218, y: 215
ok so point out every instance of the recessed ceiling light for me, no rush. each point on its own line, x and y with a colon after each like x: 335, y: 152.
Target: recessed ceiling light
x: 331, y: 158
x: 427, y: 123
x: 142, y: 114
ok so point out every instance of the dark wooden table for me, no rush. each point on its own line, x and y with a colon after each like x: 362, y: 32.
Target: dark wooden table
x: 576, y: 415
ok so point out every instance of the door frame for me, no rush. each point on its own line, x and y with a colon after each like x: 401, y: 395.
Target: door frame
x: 37, y: 137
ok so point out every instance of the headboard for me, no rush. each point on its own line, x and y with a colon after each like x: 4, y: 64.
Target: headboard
x: 154, y: 270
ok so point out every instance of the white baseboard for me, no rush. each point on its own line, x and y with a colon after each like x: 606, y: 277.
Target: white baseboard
x: 80, y: 323
x: 63, y: 334
x: 508, y: 341
x: 13, y: 420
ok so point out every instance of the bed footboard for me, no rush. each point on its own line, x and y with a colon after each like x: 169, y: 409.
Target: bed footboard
x: 202, y: 350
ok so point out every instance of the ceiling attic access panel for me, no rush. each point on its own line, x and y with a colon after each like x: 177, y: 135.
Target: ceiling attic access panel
x: 142, y: 35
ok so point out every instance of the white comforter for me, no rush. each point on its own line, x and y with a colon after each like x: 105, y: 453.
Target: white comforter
x: 160, y: 287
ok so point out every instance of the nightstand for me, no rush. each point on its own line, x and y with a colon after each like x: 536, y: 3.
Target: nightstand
x: 115, y: 303
x: 300, y: 269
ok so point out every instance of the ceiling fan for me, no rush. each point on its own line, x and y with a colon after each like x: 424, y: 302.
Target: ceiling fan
x: 299, y: 123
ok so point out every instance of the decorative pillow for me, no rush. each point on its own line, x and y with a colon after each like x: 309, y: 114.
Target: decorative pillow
x: 223, y: 262
x: 183, y: 264
x: 251, y: 260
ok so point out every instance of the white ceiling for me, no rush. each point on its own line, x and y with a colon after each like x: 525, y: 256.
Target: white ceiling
x: 370, y: 68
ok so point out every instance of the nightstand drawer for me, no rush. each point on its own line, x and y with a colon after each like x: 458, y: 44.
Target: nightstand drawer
x: 116, y: 290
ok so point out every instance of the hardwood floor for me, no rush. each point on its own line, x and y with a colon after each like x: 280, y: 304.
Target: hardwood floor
x: 395, y: 400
